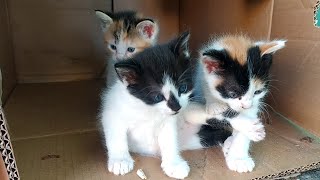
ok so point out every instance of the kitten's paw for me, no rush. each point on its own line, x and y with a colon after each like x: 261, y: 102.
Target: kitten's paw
x: 226, y: 145
x: 258, y: 134
x: 253, y: 129
x: 177, y: 170
x: 120, y: 166
x: 240, y: 164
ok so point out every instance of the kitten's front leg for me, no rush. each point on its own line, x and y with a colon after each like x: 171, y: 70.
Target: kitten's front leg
x: 119, y: 159
x: 236, y: 147
x: 172, y: 163
x: 251, y: 127
x: 236, y: 152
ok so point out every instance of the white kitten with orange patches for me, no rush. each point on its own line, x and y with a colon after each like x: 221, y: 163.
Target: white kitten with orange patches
x: 233, y: 76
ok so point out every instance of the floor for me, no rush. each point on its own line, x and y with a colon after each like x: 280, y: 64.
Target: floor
x: 55, y: 136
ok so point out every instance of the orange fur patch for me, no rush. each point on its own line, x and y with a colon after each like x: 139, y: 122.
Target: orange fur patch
x: 258, y: 83
x: 237, y: 47
x: 133, y: 37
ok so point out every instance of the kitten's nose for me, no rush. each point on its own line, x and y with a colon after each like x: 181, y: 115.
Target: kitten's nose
x: 246, y: 105
x: 173, y: 104
x: 120, y: 56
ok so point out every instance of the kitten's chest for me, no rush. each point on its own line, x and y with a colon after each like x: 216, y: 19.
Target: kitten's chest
x: 252, y: 113
x: 143, y: 136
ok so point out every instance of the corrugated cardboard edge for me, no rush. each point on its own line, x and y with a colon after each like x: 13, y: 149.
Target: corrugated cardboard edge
x: 289, y: 172
x: 6, y: 149
x: 5, y: 143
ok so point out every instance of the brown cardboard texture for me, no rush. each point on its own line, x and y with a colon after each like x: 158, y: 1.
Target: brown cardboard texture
x: 51, y: 53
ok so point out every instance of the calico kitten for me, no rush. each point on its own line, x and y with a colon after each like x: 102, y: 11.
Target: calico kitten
x: 140, y: 111
x: 233, y: 76
x: 125, y: 34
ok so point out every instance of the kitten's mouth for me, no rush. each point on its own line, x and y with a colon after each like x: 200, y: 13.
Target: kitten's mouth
x: 175, y: 113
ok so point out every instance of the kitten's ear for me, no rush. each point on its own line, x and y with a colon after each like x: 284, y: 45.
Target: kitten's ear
x: 128, y: 72
x: 270, y: 47
x: 213, y: 60
x: 180, y: 45
x: 148, y: 29
x: 105, y: 20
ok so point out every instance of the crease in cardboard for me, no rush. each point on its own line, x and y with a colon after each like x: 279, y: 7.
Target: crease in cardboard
x: 306, y: 58
x: 299, y: 128
x: 81, y: 131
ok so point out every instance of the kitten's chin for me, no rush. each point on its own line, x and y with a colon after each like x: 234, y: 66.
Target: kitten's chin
x: 175, y: 113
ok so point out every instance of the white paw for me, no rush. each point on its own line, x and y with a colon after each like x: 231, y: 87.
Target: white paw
x: 226, y: 145
x: 240, y: 164
x: 177, y: 170
x: 120, y: 166
x: 253, y: 129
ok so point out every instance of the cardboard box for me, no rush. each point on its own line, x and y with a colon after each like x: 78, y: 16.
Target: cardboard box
x: 51, y: 56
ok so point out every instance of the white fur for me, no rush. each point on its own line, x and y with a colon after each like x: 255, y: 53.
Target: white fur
x: 235, y: 150
x: 247, y: 126
x: 121, y: 53
x: 106, y: 20
x: 279, y: 44
x: 116, y: 55
x: 131, y: 125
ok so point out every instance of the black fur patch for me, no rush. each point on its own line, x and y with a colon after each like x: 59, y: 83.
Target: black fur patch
x: 230, y: 113
x: 216, y: 123
x: 173, y: 103
x: 211, y: 136
x: 235, y: 76
x: 152, y: 64
x: 259, y: 66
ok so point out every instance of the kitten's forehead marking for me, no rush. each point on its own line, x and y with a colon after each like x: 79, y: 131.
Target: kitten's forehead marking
x: 258, y: 83
x: 237, y: 47
x: 254, y: 85
x: 168, y: 87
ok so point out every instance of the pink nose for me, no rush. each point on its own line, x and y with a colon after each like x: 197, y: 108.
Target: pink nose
x: 246, y: 105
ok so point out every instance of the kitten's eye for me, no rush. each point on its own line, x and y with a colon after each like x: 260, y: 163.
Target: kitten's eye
x: 257, y: 92
x: 183, y: 88
x: 131, y: 49
x: 113, y: 47
x: 232, y: 94
x: 158, y: 98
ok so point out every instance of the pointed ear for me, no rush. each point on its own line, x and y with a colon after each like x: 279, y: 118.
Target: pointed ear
x: 148, y: 29
x: 128, y: 72
x: 180, y: 45
x: 105, y: 20
x: 270, y: 47
x: 213, y: 60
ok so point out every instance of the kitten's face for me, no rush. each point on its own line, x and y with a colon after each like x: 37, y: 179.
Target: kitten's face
x: 237, y: 70
x: 160, y: 76
x: 127, y: 33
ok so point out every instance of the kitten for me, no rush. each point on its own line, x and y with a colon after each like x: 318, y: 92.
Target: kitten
x: 233, y: 76
x: 125, y: 34
x: 140, y: 111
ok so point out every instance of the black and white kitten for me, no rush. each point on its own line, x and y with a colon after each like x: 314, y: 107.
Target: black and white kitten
x: 140, y: 112
x: 233, y: 77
